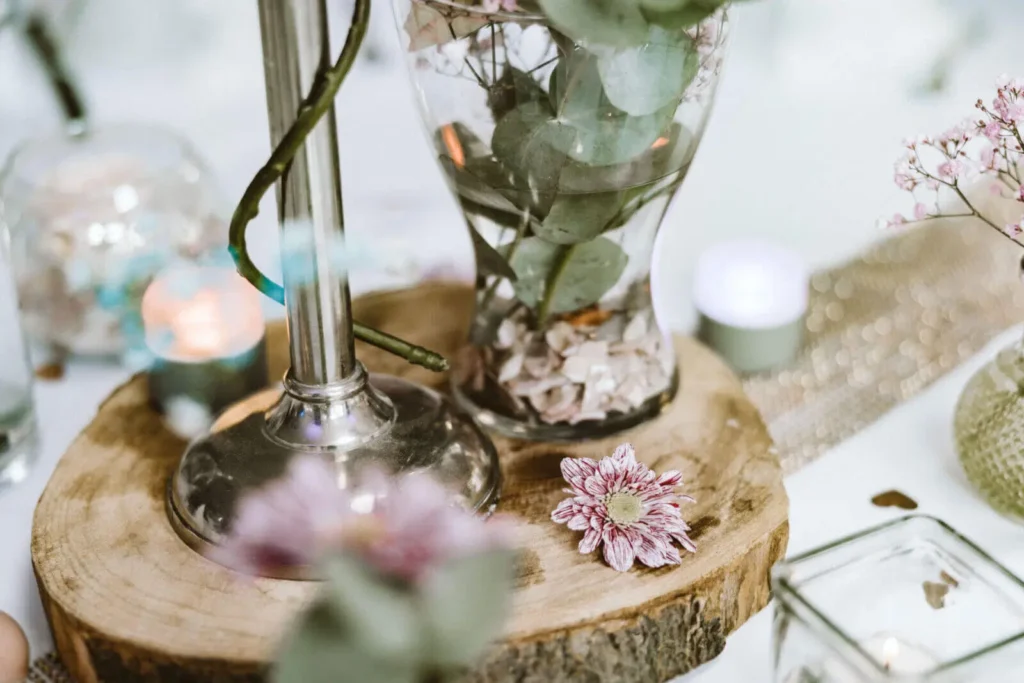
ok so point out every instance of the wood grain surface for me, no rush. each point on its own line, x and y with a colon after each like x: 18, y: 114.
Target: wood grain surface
x: 128, y: 601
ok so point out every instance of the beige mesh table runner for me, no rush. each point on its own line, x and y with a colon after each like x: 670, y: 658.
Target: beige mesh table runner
x: 883, y: 327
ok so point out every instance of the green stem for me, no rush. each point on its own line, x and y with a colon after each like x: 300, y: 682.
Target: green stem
x: 321, y: 95
x: 544, y: 309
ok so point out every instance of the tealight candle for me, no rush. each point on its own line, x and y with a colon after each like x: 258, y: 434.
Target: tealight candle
x: 204, y: 332
x: 751, y: 297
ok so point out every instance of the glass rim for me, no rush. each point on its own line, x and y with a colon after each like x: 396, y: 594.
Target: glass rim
x: 528, y: 17
x: 11, y: 169
x: 787, y: 592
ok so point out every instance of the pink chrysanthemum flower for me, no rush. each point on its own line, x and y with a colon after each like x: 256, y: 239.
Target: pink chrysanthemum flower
x: 298, y: 519
x: 621, y: 503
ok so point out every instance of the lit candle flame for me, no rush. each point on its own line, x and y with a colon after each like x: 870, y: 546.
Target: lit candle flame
x: 453, y: 145
x: 890, y: 652
x: 659, y: 143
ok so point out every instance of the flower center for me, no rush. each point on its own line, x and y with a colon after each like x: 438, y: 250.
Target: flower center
x: 623, y: 508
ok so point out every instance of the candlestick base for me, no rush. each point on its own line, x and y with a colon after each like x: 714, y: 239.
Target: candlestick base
x: 375, y: 420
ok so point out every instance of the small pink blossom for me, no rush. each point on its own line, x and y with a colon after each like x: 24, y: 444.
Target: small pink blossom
x: 920, y: 212
x: 993, y: 131
x: 988, y: 158
x: 897, y: 220
x: 622, y: 504
x: 1015, y: 229
x: 1020, y: 194
x: 904, y: 181
x: 951, y: 169
x: 303, y: 516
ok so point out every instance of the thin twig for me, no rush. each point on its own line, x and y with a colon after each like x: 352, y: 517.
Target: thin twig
x: 326, y: 84
x: 42, y: 41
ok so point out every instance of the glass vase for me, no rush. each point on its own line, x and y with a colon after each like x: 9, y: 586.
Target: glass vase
x: 989, y: 429
x: 92, y: 218
x: 564, y: 157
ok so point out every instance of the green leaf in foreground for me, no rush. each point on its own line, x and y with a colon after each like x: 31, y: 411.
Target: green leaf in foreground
x: 646, y: 78
x: 320, y: 651
x: 577, y: 218
x: 379, y: 618
x: 577, y: 276
x: 464, y: 607
x: 610, y: 22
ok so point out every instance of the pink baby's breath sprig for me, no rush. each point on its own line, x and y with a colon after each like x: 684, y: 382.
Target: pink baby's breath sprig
x: 936, y: 168
x: 622, y: 504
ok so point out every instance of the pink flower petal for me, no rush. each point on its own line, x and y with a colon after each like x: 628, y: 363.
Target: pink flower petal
x: 590, y: 541
x: 671, y: 478
x: 618, y: 551
x: 607, y: 469
x: 571, y: 468
x: 595, y: 485
x: 624, y: 454
x: 564, y: 512
x: 578, y: 523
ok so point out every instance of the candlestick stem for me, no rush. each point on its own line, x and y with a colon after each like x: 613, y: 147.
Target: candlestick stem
x: 296, y: 46
x: 330, y: 406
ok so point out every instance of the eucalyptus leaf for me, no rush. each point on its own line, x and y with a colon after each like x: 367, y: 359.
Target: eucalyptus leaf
x: 488, y: 260
x: 533, y: 261
x: 610, y: 22
x: 530, y: 142
x: 679, y: 14
x: 577, y: 276
x: 428, y: 25
x: 669, y: 154
x: 577, y: 218
x: 464, y: 606
x: 378, y: 617
x: 514, y: 88
x: 320, y: 650
x: 603, y: 134
x: 644, y: 79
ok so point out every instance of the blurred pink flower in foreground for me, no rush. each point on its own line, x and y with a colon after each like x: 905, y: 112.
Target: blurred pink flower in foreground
x: 621, y: 503
x: 304, y: 516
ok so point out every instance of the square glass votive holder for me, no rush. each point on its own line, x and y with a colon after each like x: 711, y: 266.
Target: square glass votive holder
x: 910, y: 601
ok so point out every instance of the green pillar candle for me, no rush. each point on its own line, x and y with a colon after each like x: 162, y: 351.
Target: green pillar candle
x: 751, y: 297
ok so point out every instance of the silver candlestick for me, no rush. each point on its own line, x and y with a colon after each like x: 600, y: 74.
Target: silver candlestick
x: 330, y: 406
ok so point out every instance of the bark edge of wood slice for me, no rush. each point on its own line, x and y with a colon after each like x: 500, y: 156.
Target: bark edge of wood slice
x: 128, y: 601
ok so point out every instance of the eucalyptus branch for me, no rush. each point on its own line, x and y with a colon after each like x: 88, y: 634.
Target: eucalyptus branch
x: 326, y: 84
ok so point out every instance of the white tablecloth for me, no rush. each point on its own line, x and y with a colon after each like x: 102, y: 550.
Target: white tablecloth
x: 810, y: 115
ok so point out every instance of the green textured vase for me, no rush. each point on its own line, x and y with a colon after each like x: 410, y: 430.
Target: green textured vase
x: 989, y: 430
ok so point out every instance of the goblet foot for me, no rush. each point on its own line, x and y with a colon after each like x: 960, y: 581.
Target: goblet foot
x: 376, y: 421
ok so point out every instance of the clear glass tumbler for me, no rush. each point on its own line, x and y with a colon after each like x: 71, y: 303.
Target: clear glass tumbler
x: 18, y: 445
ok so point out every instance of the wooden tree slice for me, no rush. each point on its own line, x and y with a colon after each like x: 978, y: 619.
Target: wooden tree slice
x: 128, y: 601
